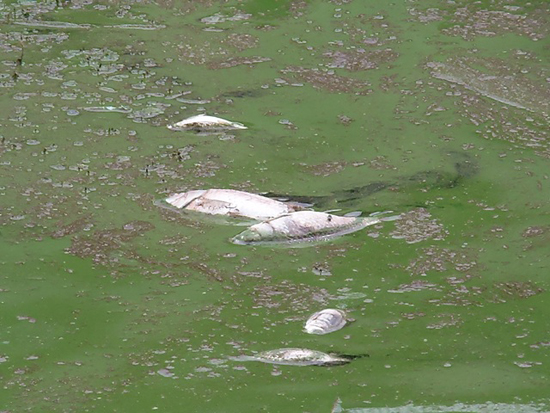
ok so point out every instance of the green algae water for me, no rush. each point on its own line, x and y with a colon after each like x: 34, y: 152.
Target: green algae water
x: 437, y: 111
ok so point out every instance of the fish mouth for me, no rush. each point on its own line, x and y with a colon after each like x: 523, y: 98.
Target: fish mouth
x: 257, y: 233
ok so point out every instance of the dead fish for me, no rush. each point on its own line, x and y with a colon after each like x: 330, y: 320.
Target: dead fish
x: 297, y: 357
x: 205, y: 123
x: 231, y: 203
x: 325, y: 321
x: 304, y: 226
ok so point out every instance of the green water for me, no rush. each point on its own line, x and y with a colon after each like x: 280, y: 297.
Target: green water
x: 432, y: 110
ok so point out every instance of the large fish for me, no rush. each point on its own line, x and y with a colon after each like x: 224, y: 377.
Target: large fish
x: 305, y: 226
x: 201, y: 123
x: 297, y: 357
x: 231, y: 203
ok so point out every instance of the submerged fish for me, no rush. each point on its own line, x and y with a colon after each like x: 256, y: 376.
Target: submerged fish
x: 206, y: 123
x: 297, y: 357
x: 304, y: 226
x: 325, y: 321
x: 230, y: 202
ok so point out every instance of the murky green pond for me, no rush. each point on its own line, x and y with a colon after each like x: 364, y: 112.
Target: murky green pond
x: 434, y: 110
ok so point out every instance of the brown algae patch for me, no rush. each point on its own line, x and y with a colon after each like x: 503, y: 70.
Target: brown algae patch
x: 427, y: 15
x: 326, y: 169
x: 101, y: 245
x: 480, y: 295
x: 327, y: 80
x: 504, y: 291
x: 289, y: 298
x: 237, y: 61
x: 241, y: 41
x: 72, y: 228
x: 442, y: 259
x: 535, y: 231
x: 470, y: 22
x: 360, y: 59
x: 445, y: 320
x: 498, y: 80
x: 200, y: 54
x: 334, y: 167
x: 416, y: 285
x: 416, y: 226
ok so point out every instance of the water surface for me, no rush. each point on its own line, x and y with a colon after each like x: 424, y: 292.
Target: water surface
x: 435, y: 111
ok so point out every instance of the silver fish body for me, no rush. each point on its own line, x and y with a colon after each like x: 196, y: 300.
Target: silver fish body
x: 201, y: 123
x: 230, y: 202
x: 296, y: 357
x: 326, y: 321
x: 302, y: 226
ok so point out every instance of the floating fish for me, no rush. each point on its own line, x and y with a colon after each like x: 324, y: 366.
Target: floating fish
x: 231, y: 203
x: 297, y: 357
x: 304, y: 226
x: 326, y: 321
x: 206, y: 123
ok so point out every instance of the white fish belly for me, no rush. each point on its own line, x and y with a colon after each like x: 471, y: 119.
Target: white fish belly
x: 325, y: 321
x: 249, y: 205
x: 229, y: 202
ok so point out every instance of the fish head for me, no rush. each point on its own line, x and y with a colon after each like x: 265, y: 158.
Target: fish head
x: 256, y: 233
x: 181, y: 200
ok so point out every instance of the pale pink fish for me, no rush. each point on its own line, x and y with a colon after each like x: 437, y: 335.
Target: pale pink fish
x: 230, y: 202
x: 297, y: 357
x: 206, y: 123
x: 304, y: 226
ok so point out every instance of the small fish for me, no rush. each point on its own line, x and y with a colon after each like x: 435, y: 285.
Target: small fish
x: 297, y: 357
x: 325, y: 321
x: 207, y: 123
x: 230, y: 202
x: 304, y: 226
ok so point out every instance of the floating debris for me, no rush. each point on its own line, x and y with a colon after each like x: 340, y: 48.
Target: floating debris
x: 206, y: 123
x: 230, y: 202
x: 305, y: 226
x: 325, y: 321
x: 149, y: 112
x: 52, y: 24
x: 220, y: 18
x: 417, y: 225
x: 488, y: 407
x: 297, y: 357
x: 237, y: 61
x: 137, y: 26
x: 108, y: 109
x: 193, y: 101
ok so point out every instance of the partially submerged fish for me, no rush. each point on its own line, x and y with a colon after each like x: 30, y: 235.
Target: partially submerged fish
x: 325, y: 321
x: 304, y: 226
x: 231, y: 203
x: 297, y: 357
x: 207, y: 123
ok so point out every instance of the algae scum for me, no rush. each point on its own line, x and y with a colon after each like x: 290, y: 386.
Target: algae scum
x: 434, y: 110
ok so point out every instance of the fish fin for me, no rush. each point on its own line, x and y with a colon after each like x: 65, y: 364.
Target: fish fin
x: 330, y: 211
x: 377, y: 215
x: 353, y: 214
